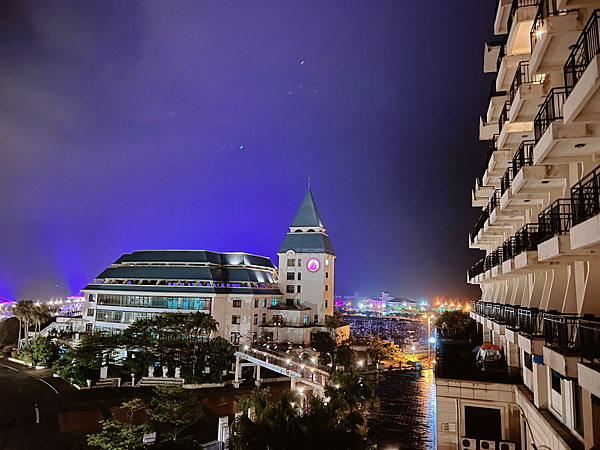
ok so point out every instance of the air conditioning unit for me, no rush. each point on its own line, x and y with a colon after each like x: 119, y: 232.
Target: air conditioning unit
x: 507, y: 446
x: 487, y: 445
x: 468, y: 444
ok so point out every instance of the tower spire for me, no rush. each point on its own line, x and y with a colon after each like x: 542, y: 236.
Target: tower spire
x: 309, y: 182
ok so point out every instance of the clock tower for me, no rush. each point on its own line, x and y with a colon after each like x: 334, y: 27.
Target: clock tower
x: 306, y: 263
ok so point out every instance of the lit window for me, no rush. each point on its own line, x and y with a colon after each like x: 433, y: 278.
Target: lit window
x: 326, y: 262
x: 298, y: 302
x: 305, y: 319
x: 275, y: 302
x: 264, y: 302
x: 237, y: 302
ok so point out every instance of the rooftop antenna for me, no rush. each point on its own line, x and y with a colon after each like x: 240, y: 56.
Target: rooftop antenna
x: 309, y: 182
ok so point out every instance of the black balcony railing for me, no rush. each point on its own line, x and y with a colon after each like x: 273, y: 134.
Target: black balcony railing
x: 526, y: 239
x: 560, y: 331
x: 511, y: 317
x: 503, y: 116
x: 491, y: 149
x: 550, y: 111
x: 508, y: 249
x: 494, y: 201
x: 496, y: 257
x: 589, y: 341
x: 506, y: 180
x: 499, y: 313
x: 477, y: 268
x: 547, y: 8
x: 531, y: 322
x: 584, y: 50
x: 585, y: 196
x: 556, y: 219
x: 494, y: 93
x: 523, y: 156
x: 522, y: 76
x: 489, y: 310
x: 516, y: 4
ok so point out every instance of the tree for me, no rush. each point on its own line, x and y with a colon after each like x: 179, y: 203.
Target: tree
x: 40, y: 351
x: 345, y: 356
x: 357, y: 391
x: 380, y: 350
x: 220, y: 355
x: 453, y: 322
x: 117, y: 435
x: 323, y: 343
x: 24, y: 311
x: 9, y: 331
x: 175, y: 409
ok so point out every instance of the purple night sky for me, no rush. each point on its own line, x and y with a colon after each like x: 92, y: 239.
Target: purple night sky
x: 131, y: 125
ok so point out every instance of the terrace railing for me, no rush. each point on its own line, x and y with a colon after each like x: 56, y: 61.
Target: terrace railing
x: 516, y: 4
x: 523, y: 157
x: 531, y: 322
x: 491, y: 149
x: 499, y: 313
x: 508, y: 249
x: 496, y: 257
x: 589, y: 341
x: 527, y: 238
x: 560, y: 331
x: 523, y: 76
x: 503, y: 116
x: 584, y: 50
x: 506, y: 180
x: 585, y: 196
x: 556, y: 219
x: 511, y: 317
x: 477, y: 268
x: 547, y: 8
x: 550, y: 111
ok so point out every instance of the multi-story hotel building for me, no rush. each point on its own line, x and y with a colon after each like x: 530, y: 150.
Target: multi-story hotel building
x: 540, y: 229
x: 243, y: 292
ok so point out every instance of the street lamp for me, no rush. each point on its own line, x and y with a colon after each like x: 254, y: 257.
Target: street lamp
x: 329, y: 354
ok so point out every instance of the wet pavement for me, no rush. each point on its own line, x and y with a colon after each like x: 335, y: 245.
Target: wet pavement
x: 407, y: 416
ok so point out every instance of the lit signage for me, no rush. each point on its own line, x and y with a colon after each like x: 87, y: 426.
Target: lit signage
x: 313, y: 265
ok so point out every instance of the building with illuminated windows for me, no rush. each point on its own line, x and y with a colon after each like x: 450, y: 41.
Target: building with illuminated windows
x: 245, y: 293
x: 539, y: 196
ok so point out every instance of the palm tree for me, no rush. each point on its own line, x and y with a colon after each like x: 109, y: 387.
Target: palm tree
x: 357, y: 391
x: 24, y: 311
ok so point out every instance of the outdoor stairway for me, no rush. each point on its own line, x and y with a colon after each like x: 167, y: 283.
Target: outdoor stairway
x: 160, y: 381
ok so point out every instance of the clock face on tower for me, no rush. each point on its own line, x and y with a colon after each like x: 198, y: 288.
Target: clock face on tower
x: 313, y: 265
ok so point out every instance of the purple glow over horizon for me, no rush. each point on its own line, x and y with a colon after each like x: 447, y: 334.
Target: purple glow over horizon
x: 195, y: 125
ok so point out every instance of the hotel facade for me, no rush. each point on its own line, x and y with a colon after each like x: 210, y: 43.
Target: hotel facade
x: 539, y: 194
x: 244, y: 293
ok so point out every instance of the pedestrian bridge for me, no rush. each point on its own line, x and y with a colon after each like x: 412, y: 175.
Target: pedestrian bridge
x: 289, y: 365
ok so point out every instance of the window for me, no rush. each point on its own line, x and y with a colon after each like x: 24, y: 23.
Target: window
x: 305, y: 319
x: 275, y: 302
x: 254, y: 335
x: 578, y: 406
x: 92, y: 298
x: 289, y: 301
x: 290, y: 275
x: 256, y: 303
x: 235, y: 338
x: 483, y: 423
x: 556, y: 384
x: 237, y: 302
x: 264, y: 318
x: 291, y: 262
x: 90, y: 312
x: 326, y: 287
x: 299, y: 276
x: 235, y: 320
x: 289, y: 289
x: 298, y: 302
x: 264, y: 302
x: 299, y: 262
x: 89, y: 326
x: 527, y: 359
x: 326, y: 261
x: 299, y: 290
x: 326, y: 303
x: 326, y: 274
x: 255, y: 319
x: 316, y: 318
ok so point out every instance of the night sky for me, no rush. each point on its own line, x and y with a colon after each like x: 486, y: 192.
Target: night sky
x: 133, y: 125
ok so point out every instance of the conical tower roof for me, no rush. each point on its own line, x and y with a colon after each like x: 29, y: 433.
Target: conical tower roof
x: 308, y: 213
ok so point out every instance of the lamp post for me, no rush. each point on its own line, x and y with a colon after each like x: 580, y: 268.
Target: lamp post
x: 329, y: 354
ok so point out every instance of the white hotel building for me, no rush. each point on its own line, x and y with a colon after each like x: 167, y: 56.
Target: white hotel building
x: 540, y: 229
x: 242, y: 292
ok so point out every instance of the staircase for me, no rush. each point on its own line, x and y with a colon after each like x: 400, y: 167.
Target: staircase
x: 159, y: 381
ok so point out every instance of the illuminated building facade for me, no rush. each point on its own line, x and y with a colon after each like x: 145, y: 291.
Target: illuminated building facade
x: 244, y: 293
x: 539, y: 228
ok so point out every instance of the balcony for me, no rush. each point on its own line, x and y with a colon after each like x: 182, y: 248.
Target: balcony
x: 520, y: 20
x: 585, y: 196
x: 556, y: 220
x: 512, y: 133
x: 507, y: 66
x: 531, y: 322
x: 550, y: 111
x: 582, y: 75
x: 560, y: 332
x: 495, y: 102
x: 589, y: 341
x: 553, y: 31
x: 491, y: 55
x: 480, y: 196
x: 511, y: 317
x: 487, y: 130
x: 525, y: 94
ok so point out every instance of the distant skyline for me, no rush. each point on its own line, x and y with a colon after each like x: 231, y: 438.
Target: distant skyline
x: 195, y: 125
